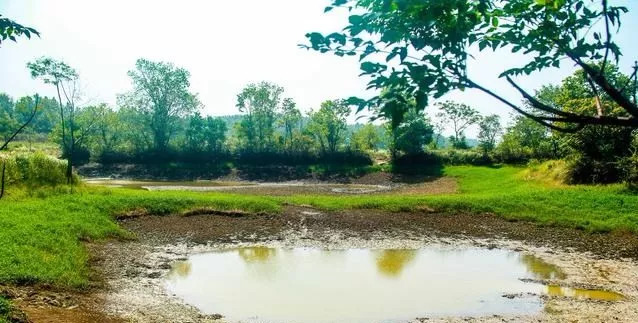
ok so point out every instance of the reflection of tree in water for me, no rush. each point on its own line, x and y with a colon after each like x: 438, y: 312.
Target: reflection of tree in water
x: 256, y: 254
x: 391, y: 262
x: 540, y: 269
x: 554, y: 290
x: 181, y: 269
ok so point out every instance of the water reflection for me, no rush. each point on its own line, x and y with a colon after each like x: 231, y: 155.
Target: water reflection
x: 554, y: 290
x: 261, y: 284
x: 256, y: 254
x: 392, y: 262
x: 541, y: 269
x: 181, y: 269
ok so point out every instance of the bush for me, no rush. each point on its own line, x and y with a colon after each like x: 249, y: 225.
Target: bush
x: 629, y: 170
x: 353, y: 158
x: 35, y: 169
x: 552, y: 171
x: 464, y: 157
x: 422, y: 163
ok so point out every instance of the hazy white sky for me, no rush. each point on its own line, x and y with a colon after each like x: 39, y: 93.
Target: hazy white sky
x: 225, y: 45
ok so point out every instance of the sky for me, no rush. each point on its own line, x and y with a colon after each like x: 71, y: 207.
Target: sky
x: 226, y: 45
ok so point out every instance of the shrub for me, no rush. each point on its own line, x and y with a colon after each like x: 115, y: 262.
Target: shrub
x: 35, y: 169
x: 552, y: 171
x: 463, y: 157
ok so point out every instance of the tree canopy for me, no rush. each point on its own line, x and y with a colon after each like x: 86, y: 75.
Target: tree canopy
x: 426, y: 45
x: 10, y: 29
x: 161, y: 94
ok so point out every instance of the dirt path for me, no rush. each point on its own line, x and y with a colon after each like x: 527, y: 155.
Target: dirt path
x: 131, y: 273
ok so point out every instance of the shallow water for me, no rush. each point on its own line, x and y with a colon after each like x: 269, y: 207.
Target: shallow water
x: 357, y: 285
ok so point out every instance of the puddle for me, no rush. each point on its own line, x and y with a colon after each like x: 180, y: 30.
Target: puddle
x: 260, y: 284
x: 206, y: 186
x: 164, y: 185
x: 600, y: 295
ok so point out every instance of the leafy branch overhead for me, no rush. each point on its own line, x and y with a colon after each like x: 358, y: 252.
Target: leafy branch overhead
x: 421, y: 49
x: 10, y: 29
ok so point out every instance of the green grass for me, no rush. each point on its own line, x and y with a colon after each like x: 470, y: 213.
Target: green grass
x: 5, y: 310
x: 42, y: 235
x: 504, y: 192
x: 42, y: 230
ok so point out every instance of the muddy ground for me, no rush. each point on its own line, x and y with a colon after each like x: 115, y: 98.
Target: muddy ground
x: 128, y: 281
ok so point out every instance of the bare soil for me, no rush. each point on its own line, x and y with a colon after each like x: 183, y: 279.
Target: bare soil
x: 128, y: 282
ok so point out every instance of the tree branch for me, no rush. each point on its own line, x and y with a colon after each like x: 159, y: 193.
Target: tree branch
x: 601, y: 81
x: 35, y: 110
x: 540, y: 119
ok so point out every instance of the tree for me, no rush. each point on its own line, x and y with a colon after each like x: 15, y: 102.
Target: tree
x: 429, y: 43
x: 290, y: 120
x: 205, y: 135
x: 366, y: 138
x: 260, y: 102
x: 489, y: 129
x: 461, y: 116
x: 413, y: 134
x: 107, y: 134
x: 47, y: 115
x: 9, y: 139
x: 526, y: 139
x: 328, y: 124
x: 594, y: 152
x: 161, y: 95
x: 65, y: 79
x: 11, y: 29
x: 6, y: 104
x: 7, y: 120
x: 215, y: 131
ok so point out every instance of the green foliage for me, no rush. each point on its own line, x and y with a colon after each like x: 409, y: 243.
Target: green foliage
x: 6, y: 310
x: 365, y: 138
x: 461, y: 116
x: 10, y: 29
x: 328, y: 124
x: 411, y: 136
x: 290, y: 120
x: 260, y: 102
x: 463, y: 157
x: 161, y: 96
x: 526, y: 139
x: 595, y: 151
x: 44, y: 121
x: 489, y: 129
x: 205, y: 135
x: 34, y: 169
x: 426, y: 45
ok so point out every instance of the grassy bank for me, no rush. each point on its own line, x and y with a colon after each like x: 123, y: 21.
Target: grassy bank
x: 42, y: 230
x: 506, y: 192
x: 42, y: 234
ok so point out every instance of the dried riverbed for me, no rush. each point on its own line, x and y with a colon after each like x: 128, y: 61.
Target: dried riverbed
x: 134, y: 272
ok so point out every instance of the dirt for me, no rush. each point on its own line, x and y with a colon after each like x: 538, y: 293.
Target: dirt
x: 129, y: 274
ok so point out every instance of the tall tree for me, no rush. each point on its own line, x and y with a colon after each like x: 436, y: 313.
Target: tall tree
x: 161, y: 94
x: 595, y: 151
x: 413, y: 134
x: 328, y: 124
x: 290, y: 120
x: 260, y: 102
x: 65, y: 80
x: 489, y: 129
x: 366, y: 138
x: 430, y: 43
x: 461, y: 116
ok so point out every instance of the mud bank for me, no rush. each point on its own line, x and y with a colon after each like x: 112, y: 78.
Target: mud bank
x: 134, y: 272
